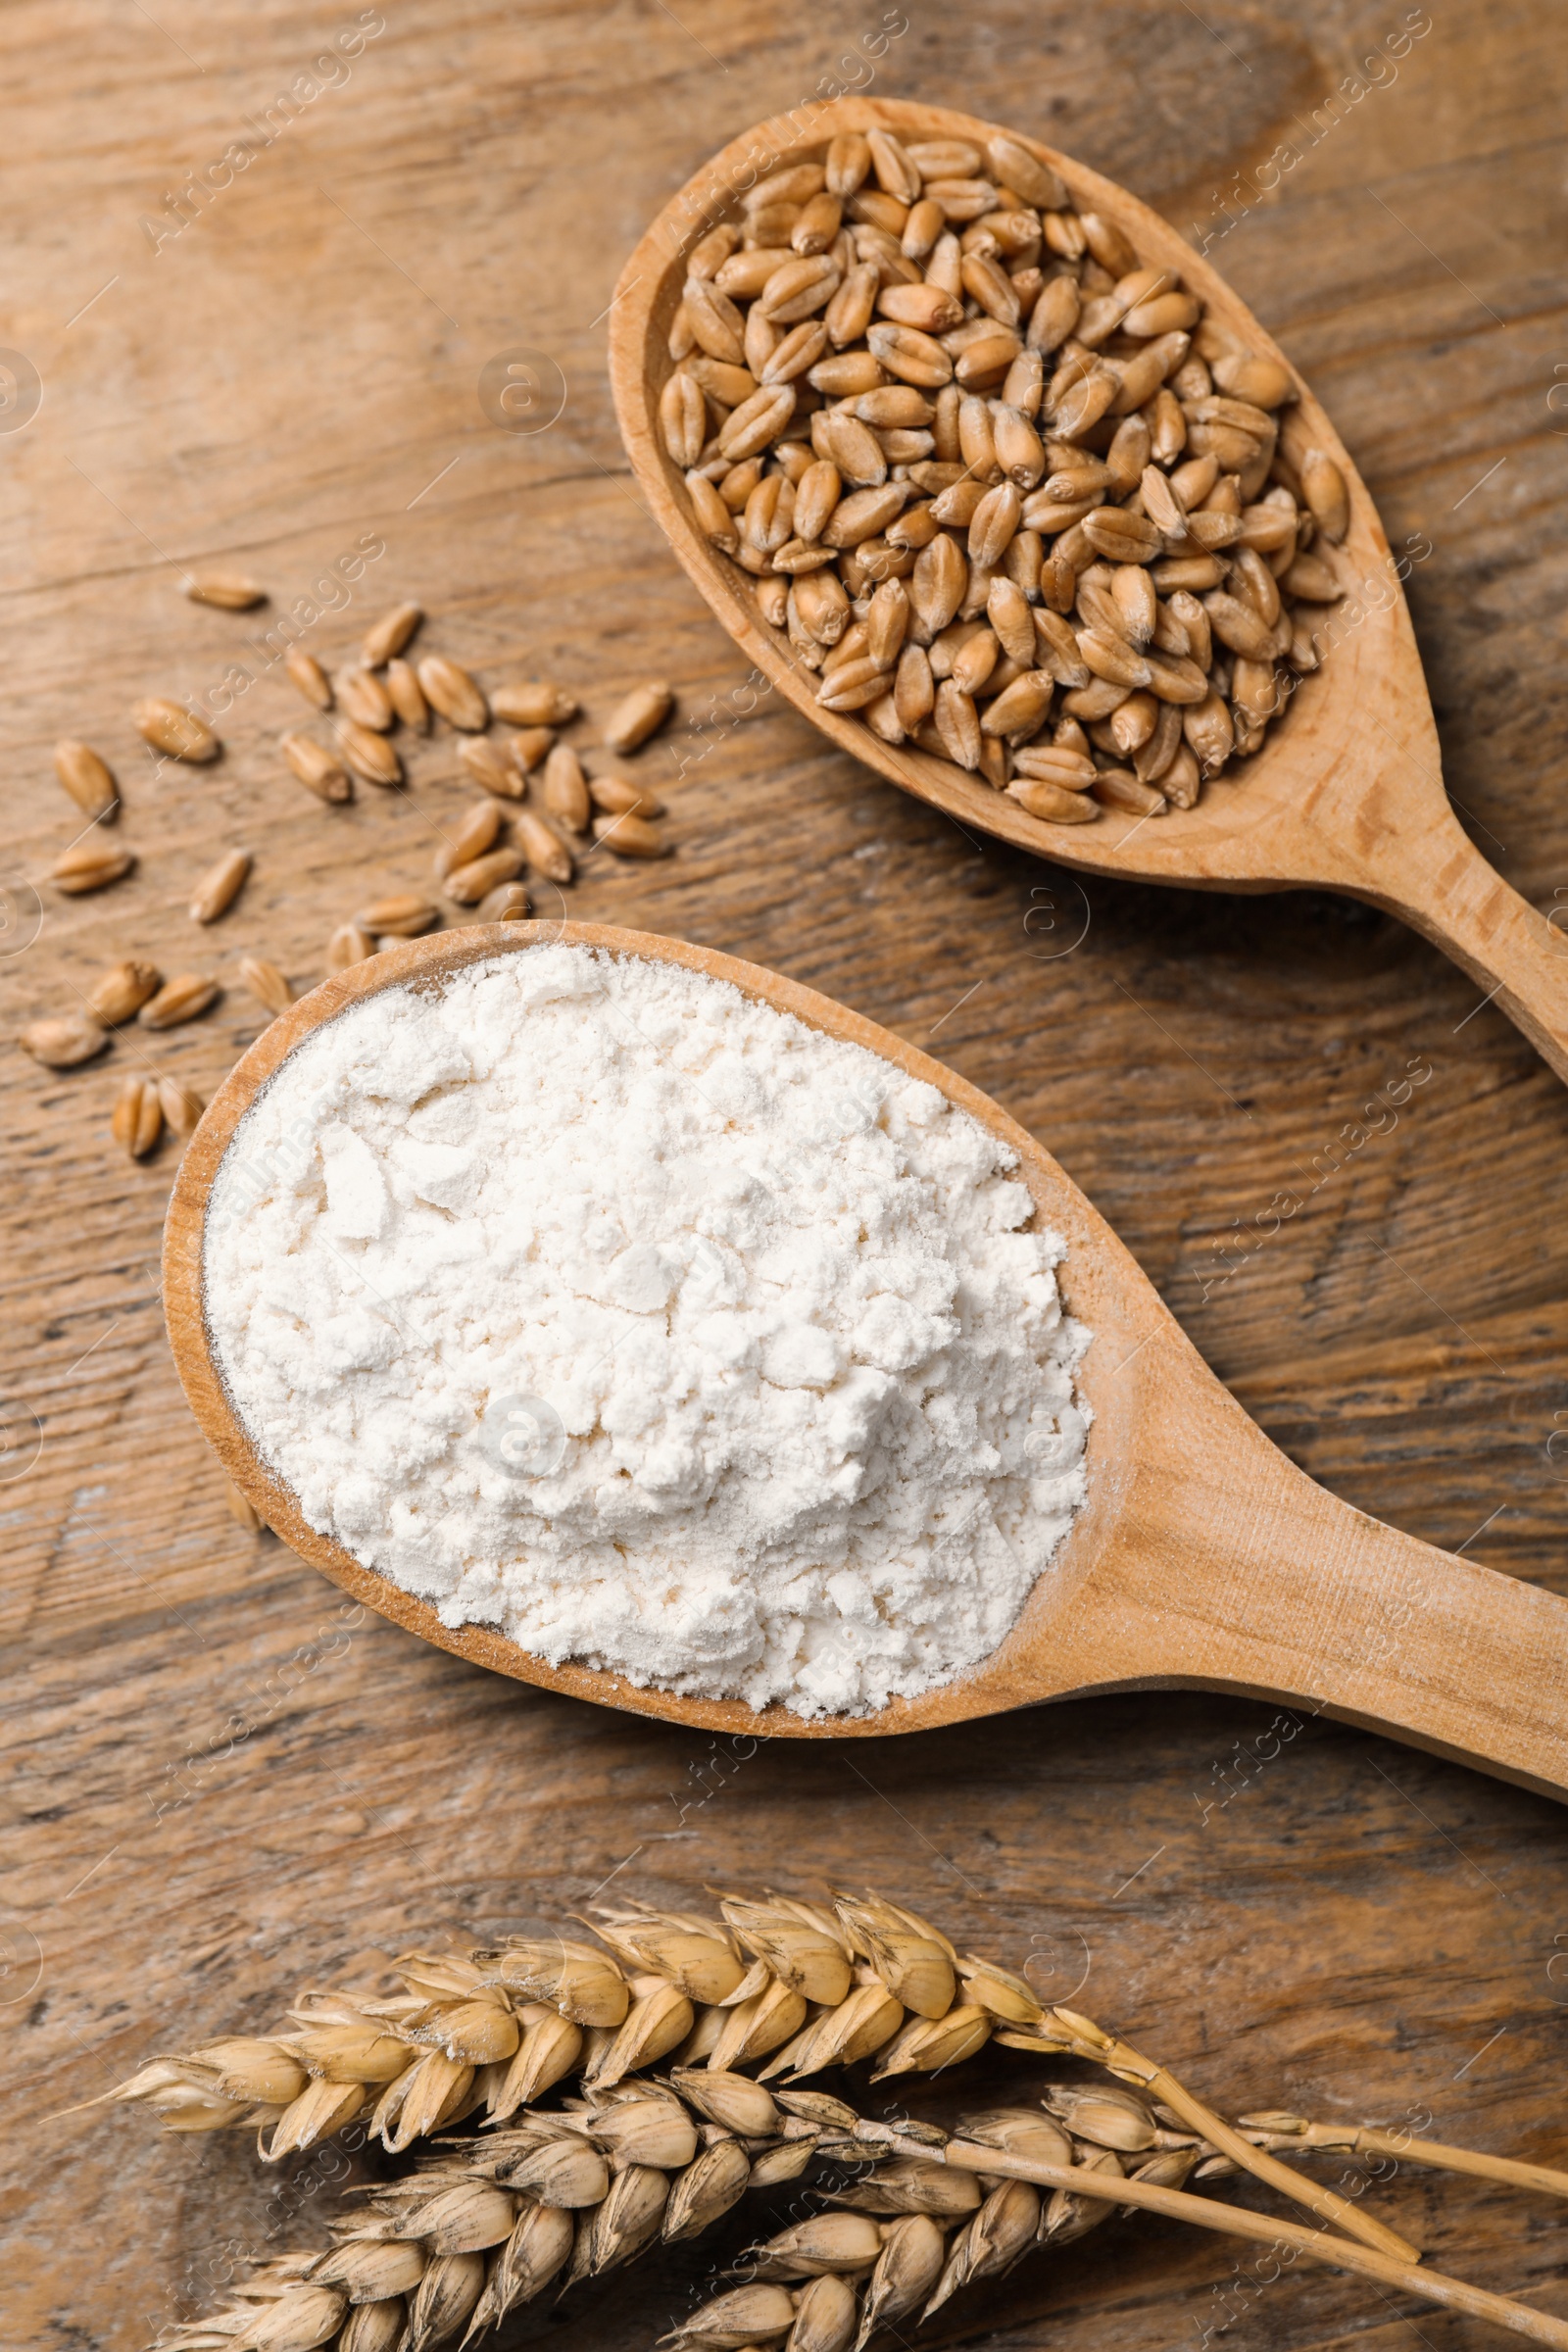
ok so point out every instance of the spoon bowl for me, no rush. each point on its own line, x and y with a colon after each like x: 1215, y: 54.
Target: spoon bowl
x: 1346, y: 793
x: 1203, y: 1558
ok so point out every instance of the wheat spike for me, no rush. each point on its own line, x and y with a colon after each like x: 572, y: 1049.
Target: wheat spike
x: 552, y: 2196
x: 781, y: 1979
x: 790, y: 1986
x: 926, y: 2230
x: 563, y: 2194
x: 486, y: 2225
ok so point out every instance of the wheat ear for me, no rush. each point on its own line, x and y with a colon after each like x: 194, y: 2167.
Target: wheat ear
x: 566, y: 2195
x: 794, y: 1985
x: 862, y: 2272
x: 552, y: 2197
x: 562, y: 2196
x: 800, y: 1985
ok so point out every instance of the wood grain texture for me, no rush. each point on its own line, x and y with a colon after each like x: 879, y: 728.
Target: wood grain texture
x: 216, y: 1785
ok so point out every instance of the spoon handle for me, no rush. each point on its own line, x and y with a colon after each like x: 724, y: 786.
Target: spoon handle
x: 1518, y: 957
x: 1262, y: 1581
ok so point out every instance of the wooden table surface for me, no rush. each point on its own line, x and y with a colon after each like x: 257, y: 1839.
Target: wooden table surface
x: 215, y: 1793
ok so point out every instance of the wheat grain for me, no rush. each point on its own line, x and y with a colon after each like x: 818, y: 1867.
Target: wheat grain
x: 535, y: 703
x: 449, y: 689
x: 182, y: 998
x: 630, y: 836
x: 181, y: 1106
x: 475, y: 831
x: 137, y: 1120
x: 365, y: 697
x: 966, y: 381
x: 402, y: 914
x: 408, y: 695
x: 618, y: 796
x: 639, y: 714
x: 507, y: 904
x: 169, y: 727
x: 220, y: 886
x: 348, y: 945
x: 563, y: 789
x: 267, y: 983
x: 493, y: 767
x: 544, y: 850
x: 306, y: 673
x: 367, y: 754
x: 532, y: 744
x: 230, y: 591
x: 389, y: 635
x: 476, y: 869
x: 64, y: 1041
x: 317, y: 769
x: 1120, y: 788
x: 469, y: 883
x: 122, y: 990
x: 90, y: 865
x: 88, y: 778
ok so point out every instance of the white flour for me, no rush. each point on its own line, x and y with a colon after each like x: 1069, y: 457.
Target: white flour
x: 592, y: 1300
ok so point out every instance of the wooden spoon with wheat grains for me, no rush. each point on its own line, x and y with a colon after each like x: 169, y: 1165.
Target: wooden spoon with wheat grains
x: 1204, y: 1558
x: 1346, y: 793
